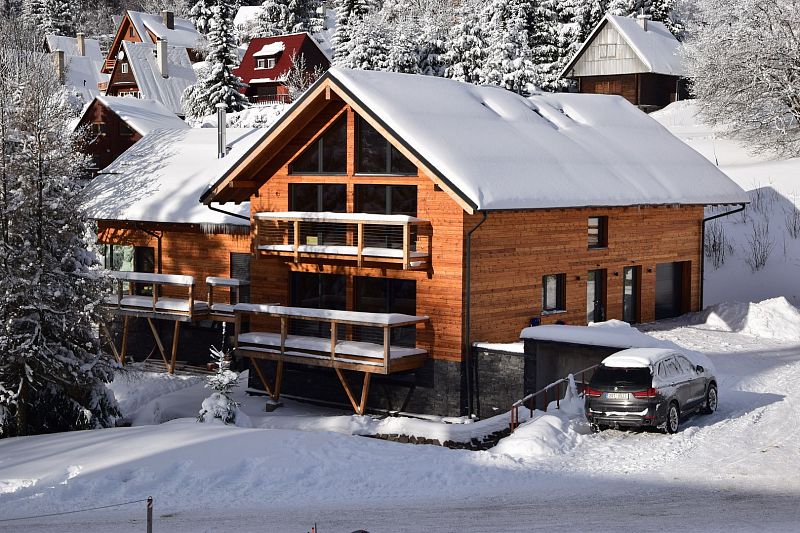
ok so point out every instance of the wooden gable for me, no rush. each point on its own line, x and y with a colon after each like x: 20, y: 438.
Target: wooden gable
x: 319, y: 106
x: 608, y: 53
x: 125, y: 32
x: 121, y: 82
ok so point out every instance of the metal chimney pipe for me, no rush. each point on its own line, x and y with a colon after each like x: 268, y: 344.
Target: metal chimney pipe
x: 81, y: 41
x: 222, y: 142
x: 161, y: 57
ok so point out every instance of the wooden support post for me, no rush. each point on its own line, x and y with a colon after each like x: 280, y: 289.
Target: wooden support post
x: 155, y: 296
x: 124, y: 350
x: 107, y: 333
x: 278, y: 381
x: 333, y: 339
x: 158, y: 342
x: 175, y: 337
x: 191, y: 300
x: 406, y: 245
x: 387, y: 337
x: 211, y: 296
x: 296, y: 241
x: 364, y: 393
x: 237, y: 328
x: 261, y: 376
x: 360, y: 406
x: 360, y: 242
x: 284, y: 330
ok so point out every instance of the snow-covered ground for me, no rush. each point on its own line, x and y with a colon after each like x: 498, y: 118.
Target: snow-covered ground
x: 774, y: 188
x: 734, y: 470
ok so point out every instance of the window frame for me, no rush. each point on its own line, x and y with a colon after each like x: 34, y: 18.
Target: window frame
x: 270, y: 63
x: 319, y: 141
x: 123, y: 68
x: 561, y: 294
x: 261, y: 63
x: 390, y: 148
x: 602, y: 232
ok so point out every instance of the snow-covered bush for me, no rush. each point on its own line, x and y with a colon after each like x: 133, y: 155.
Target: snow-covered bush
x: 717, y: 245
x: 793, y: 222
x: 760, y: 245
x: 220, y: 405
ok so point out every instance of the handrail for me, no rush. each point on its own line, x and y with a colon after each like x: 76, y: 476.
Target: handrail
x: 340, y: 218
x: 156, y: 280
x: 557, y: 384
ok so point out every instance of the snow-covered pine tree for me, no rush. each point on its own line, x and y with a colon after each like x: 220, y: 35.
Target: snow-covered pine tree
x: 509, y: 61
x: 217, y: 84
x: 466, y: 47
x: 621, y: 8
x: 220, y: 405
x: 201, y: 14
x: 281, y: 17
x: 33, y: 12
x: 369, y: 47
x: 58, y: 17
x: 53, y: 373
x: 347, y: 11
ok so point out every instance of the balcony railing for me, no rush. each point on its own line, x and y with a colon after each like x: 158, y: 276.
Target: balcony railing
x: 270, y: 99
x: 360, y: 237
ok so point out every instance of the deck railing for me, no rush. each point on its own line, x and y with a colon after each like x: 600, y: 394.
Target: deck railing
x: 360, y: 237
x: 270, y: 99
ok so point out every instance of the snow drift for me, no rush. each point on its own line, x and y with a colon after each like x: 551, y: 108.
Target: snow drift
x: 775, y: 319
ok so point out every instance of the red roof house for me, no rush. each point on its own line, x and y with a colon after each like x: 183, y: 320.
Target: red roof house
x: 269, y: 59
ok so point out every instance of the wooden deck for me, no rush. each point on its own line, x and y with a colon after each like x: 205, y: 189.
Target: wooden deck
x: 332, y: 352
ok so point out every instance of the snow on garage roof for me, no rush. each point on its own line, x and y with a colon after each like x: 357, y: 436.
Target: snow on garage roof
x: 142, y: 115
x: 657, y: 48
x: 504, y: 151
x: 151, y: 84
x: 613, y: 334
x: 161, y: 177
x: 184, y: 33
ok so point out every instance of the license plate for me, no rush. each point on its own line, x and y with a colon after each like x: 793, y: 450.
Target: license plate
x: 617, y: 395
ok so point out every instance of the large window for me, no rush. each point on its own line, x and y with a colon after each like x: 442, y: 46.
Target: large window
x: 598, y: 232
x: 630, y: 294
x: 386, y: 295
x: 317, y: 291
x: 376, y: 155
x: 326, y: 155
x: 319, y: 197
x: 386, y: 200
x: 129, y: 259
x: 554, y: 293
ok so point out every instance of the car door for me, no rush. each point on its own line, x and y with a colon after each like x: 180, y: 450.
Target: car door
x: 696, y: 383
x: 678, y: 381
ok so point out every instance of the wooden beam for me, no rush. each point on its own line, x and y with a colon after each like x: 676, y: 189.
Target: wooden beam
x: 278, y: 381
x: 333, y: 339
x: 296, y: 225
x: 261, y: 376
x: 387, y: 337
x: 104, y: 330
x: 364, y: 393
x: 347, y: 390
x: 284, y: 331
x: 175, y: 337
x: 406, y: 245
x: 158, y: 342
x: 360, y: 242
x: 124, y: 350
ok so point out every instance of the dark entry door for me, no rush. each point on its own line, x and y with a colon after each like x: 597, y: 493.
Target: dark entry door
x: 596, y: 296
x: 669, y: 290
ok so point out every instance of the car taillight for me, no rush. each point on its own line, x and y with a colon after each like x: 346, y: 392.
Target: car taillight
x: 649, y: 393
x: 592, y: 393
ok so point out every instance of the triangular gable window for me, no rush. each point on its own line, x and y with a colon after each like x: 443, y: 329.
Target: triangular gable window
x: 376, y: 155
x: 326, y: 155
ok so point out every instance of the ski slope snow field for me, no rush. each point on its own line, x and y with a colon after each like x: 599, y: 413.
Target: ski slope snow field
x: 734, y: 470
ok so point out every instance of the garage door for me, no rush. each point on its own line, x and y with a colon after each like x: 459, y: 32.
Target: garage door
x: 669, y: 290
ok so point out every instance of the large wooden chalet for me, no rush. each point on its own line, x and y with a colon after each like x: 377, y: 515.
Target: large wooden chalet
x: 396, y: 220
x: 268, y: 59
x: 638, y: 59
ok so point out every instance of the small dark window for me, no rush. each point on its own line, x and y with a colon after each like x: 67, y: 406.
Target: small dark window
x: 261, y: 63
x: 144, y: 260
x: 240, y: 269
x: 598, y: 232
x: 125, y: 130
x: 376, y: 155
x: 554, y: 292
x: 131, y: 32
x: 98, y: 128
x: 326, y: 155
x: 386, y: 295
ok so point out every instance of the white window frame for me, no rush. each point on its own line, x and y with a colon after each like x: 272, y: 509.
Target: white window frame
x: 124, y: 68
x: 261, y: 63
x: 271, y: 62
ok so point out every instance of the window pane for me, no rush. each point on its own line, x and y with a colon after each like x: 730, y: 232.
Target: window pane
x: 334, y: 198
x: 594, y: 232
x: 401, y: 164
x: 371, y: 199
x: 385, y: 295
x: 404, y: 200
x: 372, y: 149
x: 304, y: 197
x: 334, y: 149
x: 629, y: 294
x: 317, y: 291
x: 308, y: 160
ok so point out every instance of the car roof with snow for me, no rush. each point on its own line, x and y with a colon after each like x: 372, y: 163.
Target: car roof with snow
x: 497, y: 150
x: 637, y: 357
x: 160, y: 178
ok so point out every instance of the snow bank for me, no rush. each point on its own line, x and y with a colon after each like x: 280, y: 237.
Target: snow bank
x: 771, y: 319
x: 135, y: 389
x: 613, y: 333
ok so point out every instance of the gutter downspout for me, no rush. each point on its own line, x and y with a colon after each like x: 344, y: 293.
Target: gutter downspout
x: 235, y: 215
x: 703, y: 246
x: 468, y: 362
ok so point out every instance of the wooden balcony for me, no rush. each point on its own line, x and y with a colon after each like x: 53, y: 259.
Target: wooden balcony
x: 398, y: 240
x: 109, y: 65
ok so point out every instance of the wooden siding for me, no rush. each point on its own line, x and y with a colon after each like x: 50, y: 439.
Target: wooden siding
x: 646, y: 90
x: 122, y: 82
x: 108, y: 146
x: 184, y: 250
x: 513, y: 250
x: 595, y: 63
x: 438, y: 290
x: 624, y: 85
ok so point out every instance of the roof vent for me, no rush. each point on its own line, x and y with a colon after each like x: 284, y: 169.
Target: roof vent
x: 222, y: 142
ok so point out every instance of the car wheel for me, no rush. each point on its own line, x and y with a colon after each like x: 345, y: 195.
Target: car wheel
x: 597, y: 428
x: 711, y: 400
x: 673, y: 418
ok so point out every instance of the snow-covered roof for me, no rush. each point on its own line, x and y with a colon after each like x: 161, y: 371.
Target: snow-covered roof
x: 168, y: 91
x: 637, y: 357
x: 184, y: 33
x: 499, y: 150
x: 161, y: 178
x: 271, y: 49
x: 142, y: 115
x: 83, y: 74
x: 70, y: 46
x: 612, y: 333
x: 657, y: 47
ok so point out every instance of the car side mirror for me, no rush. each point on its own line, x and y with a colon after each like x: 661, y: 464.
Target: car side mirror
x: 699, y: 369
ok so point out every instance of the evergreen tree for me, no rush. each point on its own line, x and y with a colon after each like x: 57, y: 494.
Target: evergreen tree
x: 347, y: 12
x: 621, y: 8
x: 466, y: 48
x: 220, y: 405
x: 216, y: 83
x: 58, y: 18
x: 201, y: 14
x: 369, y: 46
x: 52, y: 369
x: 545, y: 43
x: 509, y: 57
x: 281, y: 17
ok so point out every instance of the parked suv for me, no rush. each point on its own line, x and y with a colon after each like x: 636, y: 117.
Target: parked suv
x: 648, y: 387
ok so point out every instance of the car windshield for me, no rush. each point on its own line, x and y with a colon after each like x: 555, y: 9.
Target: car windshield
x: 610, y: 376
